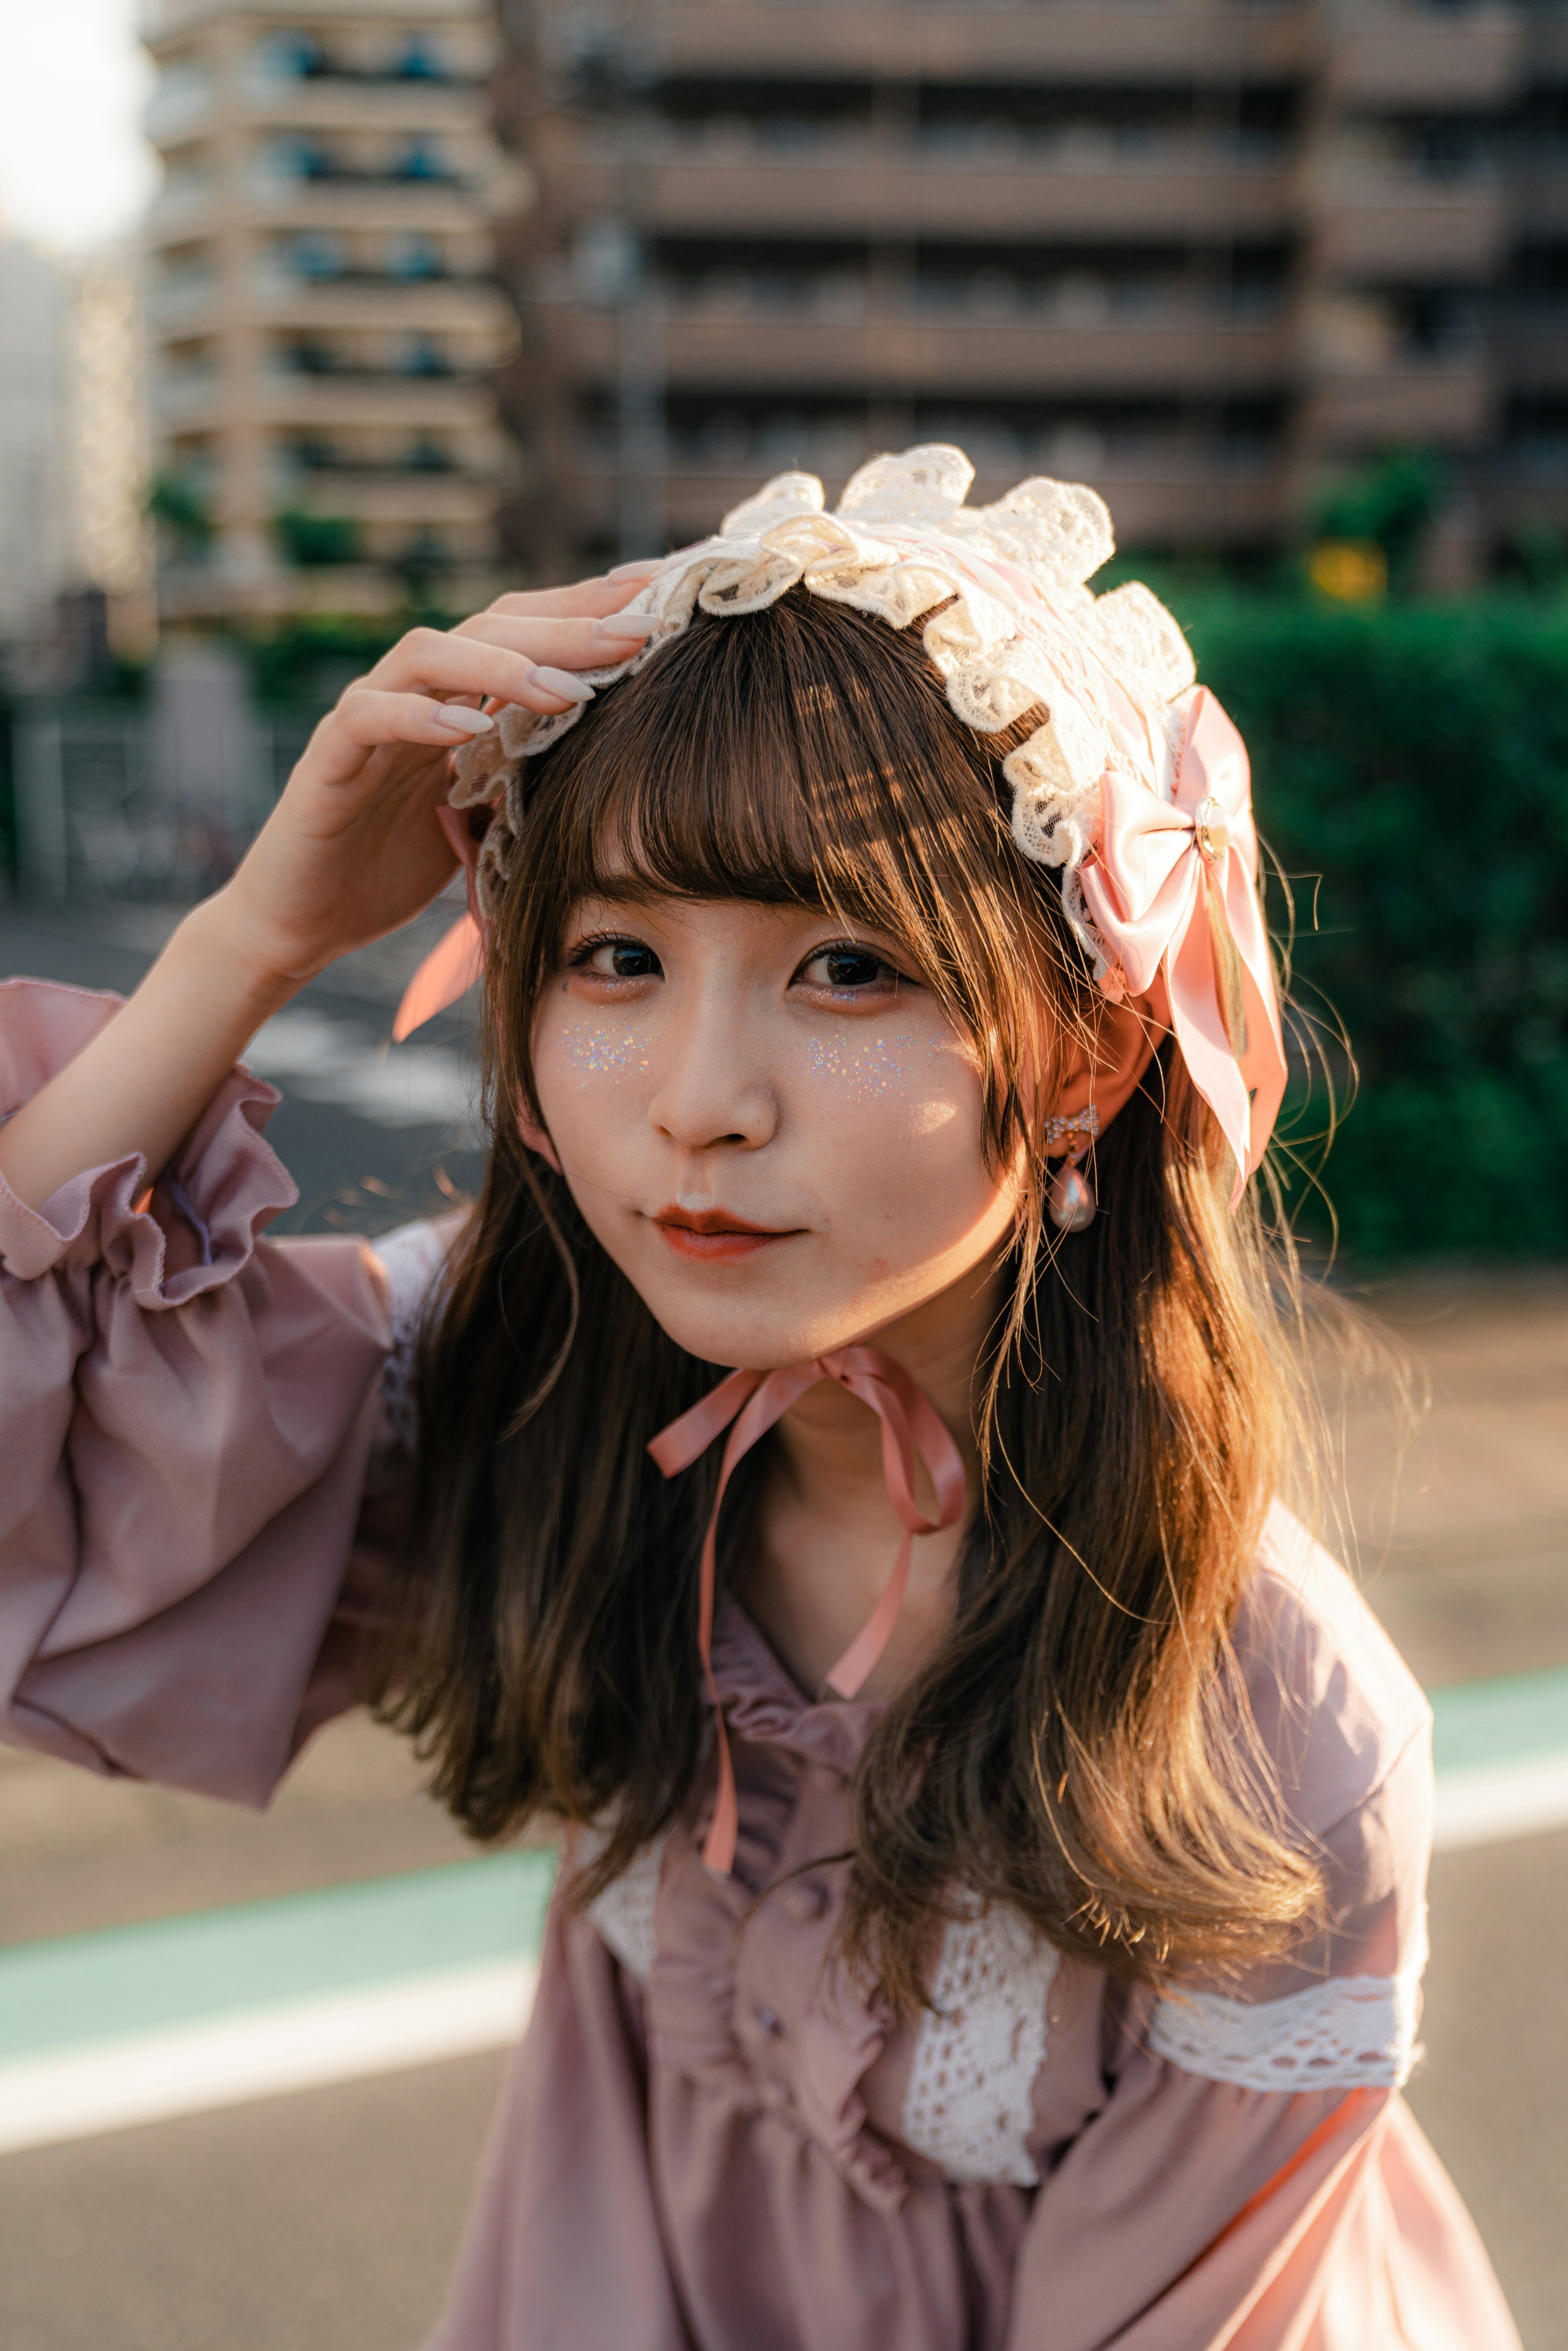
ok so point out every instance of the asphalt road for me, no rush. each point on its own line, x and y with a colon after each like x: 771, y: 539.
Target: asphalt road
x: 367, y: 1171
x: 325, y: 2220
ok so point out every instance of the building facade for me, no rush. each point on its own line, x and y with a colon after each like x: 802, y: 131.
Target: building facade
x: 107, y: 416
x: 323, y: 322
x: 36, y: 553
x: 1205, y: 253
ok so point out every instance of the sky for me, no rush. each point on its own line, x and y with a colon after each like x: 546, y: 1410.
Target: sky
x: 74, y: 170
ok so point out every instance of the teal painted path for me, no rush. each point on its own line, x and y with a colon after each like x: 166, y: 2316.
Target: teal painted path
x: 170, y: 1972
x: 1484, y: 1724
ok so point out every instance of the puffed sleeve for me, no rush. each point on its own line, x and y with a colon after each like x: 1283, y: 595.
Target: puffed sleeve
x: 1254, y: 2178
x: 189, y: 1414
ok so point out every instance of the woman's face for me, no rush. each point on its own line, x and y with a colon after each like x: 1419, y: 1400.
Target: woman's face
x: 769, y: 1124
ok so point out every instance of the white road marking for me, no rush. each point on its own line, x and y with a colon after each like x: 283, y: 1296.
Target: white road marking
x: 1481, y: 1802
x: 151, y: 2077
x: 306, y: 1052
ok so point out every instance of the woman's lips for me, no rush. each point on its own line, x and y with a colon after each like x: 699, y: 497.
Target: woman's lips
x: 715, y: 1236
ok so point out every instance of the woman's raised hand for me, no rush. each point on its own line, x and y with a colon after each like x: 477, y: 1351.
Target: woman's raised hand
x: 351, y: 849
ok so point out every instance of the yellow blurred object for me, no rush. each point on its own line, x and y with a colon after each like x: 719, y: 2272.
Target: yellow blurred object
x: 1352, y: 570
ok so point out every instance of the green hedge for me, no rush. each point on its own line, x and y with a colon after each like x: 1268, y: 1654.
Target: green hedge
x: 1410, y: 773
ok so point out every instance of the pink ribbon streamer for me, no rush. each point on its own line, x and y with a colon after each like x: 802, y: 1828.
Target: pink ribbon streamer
x: 752, y: 1402
x: 457, y: 962
x: 1150, y: 874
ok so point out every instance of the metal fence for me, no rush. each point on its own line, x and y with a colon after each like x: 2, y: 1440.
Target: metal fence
x: 94, y: 817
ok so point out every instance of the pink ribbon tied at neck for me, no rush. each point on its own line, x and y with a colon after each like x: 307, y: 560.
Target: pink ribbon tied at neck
x: 1173, y: 889
x: 752, y: 1402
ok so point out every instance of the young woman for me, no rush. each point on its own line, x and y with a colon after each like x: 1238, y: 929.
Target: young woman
x: 832, y: 1470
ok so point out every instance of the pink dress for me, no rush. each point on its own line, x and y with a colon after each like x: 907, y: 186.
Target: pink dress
x: 710, y: 2141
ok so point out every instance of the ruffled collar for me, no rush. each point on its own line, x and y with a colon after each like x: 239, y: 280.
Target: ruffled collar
x: 764, y: 1703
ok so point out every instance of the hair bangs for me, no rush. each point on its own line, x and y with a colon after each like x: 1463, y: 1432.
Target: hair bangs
x: 767, y: 758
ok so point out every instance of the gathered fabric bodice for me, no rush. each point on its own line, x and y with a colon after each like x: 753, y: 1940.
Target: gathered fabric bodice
x: 741, y: 1987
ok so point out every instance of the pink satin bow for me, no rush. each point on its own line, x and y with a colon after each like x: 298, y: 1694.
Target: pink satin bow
x: 753, y: 1401
x: 458, y: 959
x: 1156, y: 866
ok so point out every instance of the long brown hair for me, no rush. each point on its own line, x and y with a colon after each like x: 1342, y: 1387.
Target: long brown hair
x: 1079, y: 1747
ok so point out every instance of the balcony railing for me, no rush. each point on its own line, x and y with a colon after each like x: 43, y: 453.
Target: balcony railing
x: 367, y: 469
x: 1407, y: 224
x: 987, y: 143
x: 941, y: 341
x: 324, y: 169
x: 1441, y: 403
x: 1439, y: 58
x: 156, y: 19
x: 389, y: 281
x: 1064, y: 44
x: 369, y: 371
x: 352, y: 399
x: 993, y: 295
x: 745, y: 449
x: 1168, y: 495
x: 867, y: 186
x: 317, y: 66
x: 177, y: 391
x: 181, y: 294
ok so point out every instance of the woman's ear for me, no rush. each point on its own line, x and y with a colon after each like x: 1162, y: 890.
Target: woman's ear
x: 535, y: 1137
x: 1125, y: 1045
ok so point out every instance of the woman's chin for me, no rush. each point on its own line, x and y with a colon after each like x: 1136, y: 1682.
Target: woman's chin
x: 747, y: 1336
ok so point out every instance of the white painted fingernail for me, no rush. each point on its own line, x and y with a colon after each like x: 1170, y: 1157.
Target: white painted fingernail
x: 559, y: 681
x: 623, y: 628
x: 644, y: 569
x: 464, y: 722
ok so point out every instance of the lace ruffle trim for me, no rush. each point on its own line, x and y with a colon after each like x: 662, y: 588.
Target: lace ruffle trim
x: 411, y: 1257
x: 623, y: 1914
x: 1018, y: 631
x: 969, y: 2107
x: 1351, y: 2033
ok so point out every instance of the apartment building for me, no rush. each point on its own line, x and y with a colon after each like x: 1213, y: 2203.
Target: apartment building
x: 1201, y: 252
x: 36, y: 552
x: 323, y: 320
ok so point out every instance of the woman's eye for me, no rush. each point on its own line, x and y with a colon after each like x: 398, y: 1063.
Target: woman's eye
x: 844, y: 968
x: 617, y: 960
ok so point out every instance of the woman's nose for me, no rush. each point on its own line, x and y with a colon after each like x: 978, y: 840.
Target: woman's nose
x: 711, y: 1089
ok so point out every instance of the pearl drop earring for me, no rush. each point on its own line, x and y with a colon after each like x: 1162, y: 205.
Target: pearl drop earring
x: 1070, y: 1199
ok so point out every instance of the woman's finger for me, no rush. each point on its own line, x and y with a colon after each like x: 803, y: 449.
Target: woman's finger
x: 570, y: 644
x: 586, y: 599
x: 434, y: 662
x: 366, y: 716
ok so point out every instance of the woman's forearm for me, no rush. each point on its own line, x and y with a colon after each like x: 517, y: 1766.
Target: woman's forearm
x: 143, y: 1082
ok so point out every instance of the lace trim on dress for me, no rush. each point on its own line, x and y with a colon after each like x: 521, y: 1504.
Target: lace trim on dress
x: 411, y: 1257
x: 623, y: 1913
x: 969, y: 2105
x: 1351, y: 2032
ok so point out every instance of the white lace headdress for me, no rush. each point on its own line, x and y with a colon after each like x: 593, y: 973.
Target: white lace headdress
x: 1016, y: 628
x: 1133, y: 784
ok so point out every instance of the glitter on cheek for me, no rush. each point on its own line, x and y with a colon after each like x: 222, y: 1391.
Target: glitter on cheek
x: 597, y: 1051
x: 870, y: 1065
